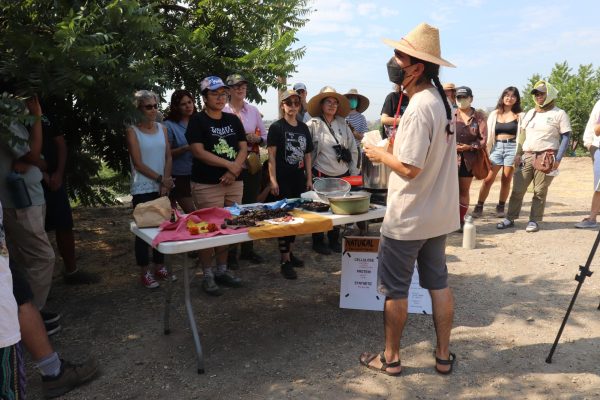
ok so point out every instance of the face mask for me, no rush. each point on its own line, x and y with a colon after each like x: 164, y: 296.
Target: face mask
x: 463, y: 103
x: 353, y: 103
x: 395, y: 72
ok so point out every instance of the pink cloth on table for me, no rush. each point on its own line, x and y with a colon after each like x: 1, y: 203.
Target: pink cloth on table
x: 176, y: 231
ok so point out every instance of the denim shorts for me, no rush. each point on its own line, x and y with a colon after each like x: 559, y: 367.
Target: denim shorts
x: 503, y: 154
x: 597, y: 170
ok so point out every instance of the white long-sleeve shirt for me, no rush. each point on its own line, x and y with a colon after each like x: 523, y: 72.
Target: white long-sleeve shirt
x: 589, y: 137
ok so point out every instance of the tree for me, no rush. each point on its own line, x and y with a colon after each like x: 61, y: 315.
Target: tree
x: 86, y: 58
x: 578, y: 92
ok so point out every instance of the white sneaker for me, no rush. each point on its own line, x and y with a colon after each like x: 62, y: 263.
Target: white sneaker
x: 532, y: 227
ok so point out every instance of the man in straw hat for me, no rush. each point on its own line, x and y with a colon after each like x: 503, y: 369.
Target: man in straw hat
x: 450, y: 90
x: 422, y: 199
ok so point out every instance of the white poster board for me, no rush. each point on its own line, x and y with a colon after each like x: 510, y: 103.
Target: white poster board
x: 358, y: 288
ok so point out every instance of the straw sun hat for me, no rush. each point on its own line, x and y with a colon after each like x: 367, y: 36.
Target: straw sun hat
x: 314, y: 104
x: 423, y: 42
x: 363, y: 102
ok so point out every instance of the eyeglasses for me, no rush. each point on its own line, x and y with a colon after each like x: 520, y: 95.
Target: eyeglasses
x: 151, y: 106
x: 301, y: 91
x: 462, y: 97
x: 538, y: 93
x: 218, y: 95
x: 510, y: 96
x: 292, y: 103
x: 240, y: 86
x: 331, y: 103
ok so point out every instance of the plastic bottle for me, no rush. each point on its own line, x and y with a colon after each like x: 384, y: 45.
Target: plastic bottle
x: 469, y: 233
x: 18, y: 190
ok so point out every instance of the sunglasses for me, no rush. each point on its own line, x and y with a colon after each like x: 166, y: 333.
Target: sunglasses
x: 292, y: 103
x: 151, y: 106
x: 300, y: 91
x: 331, y: 103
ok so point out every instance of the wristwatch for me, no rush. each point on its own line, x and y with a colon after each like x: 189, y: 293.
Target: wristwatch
x: 159, y: 179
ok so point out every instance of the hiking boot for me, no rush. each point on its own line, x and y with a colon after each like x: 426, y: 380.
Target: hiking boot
x: 296, y: 262
x: 287, y: 270
x: 336, y: 247
x: 210, y: 287
x: 252, y: 257
x: 477, y: 211
x: 162, y: 273
x: 49, y: 316
x: 149, y: 281
x: 226, y: 279
x: 531, y: 227
x: 52, y: 328
x: 80, y: 277
x: 321, y: 248
x: 500, y: 211
x: 71, y: 375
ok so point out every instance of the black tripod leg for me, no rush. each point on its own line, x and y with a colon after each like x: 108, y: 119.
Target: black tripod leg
x: 584, y: 272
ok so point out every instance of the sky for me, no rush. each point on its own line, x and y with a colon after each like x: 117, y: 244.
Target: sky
x: 494, y: 44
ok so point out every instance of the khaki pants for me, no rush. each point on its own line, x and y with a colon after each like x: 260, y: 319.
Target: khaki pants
x: 28, y: 245
x: 522, y: 178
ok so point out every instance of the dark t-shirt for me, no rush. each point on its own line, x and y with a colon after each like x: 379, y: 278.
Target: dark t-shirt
x: 390, y: 105
x: 292, y: 142
x: 220, y: 137
x: 49, y: 132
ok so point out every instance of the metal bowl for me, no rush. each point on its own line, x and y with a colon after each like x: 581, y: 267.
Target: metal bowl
x: 330, y: 187
x: 351, y: 203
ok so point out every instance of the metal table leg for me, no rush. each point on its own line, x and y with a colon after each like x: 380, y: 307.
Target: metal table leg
x: 166, y: 328
x: 190, y: 313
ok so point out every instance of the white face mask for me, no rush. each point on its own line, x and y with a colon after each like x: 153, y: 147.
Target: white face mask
x: 464, y: 103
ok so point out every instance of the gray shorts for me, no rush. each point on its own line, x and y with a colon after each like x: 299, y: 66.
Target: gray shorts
x: 397, y: 263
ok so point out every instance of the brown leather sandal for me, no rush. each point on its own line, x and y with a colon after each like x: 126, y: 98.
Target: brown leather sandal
x: 366, y: 358
x: 450, y: 361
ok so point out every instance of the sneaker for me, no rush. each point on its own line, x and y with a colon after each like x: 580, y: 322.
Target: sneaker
x: 232, y: 261
x: 586, y: 223
x: 500, y: 211
x: 252, y: 257
x: 287, y: 270
x: 321, y: 248
x: 162, y: 273
x: 532, y: 227
x: 477, y: 211
x: 52, y: 328
x: 296, y: 262
x: 226, y: 279
x: 49, y: 316
x: 210, y: 287
x: 149, y: 281
x: 71, y: 375
x: 336, y: 247
x: 505, y: 223
x: 80, y: 277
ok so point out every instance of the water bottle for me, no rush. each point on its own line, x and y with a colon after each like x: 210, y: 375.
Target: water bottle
x: 469, y: 233
x: 18, y: 190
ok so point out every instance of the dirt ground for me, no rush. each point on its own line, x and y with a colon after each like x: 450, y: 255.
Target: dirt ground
x: 280, y: 339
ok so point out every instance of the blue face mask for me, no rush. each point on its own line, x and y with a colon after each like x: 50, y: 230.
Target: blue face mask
x: 353, y: 103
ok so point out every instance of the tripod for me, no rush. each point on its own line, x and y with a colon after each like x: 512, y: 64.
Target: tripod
x: 584, y: 272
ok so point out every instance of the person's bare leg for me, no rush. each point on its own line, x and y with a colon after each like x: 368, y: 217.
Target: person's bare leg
x: 395, y: 313
x: 505, y: 182
x: 443, y: 316
x: 486, y: 185
x: 186, y: 204
x: 33, y: 332
x: 65, y: 241
x: 595, y: 206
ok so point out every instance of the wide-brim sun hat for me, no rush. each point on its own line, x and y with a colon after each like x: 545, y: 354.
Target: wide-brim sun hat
x: 363, y: 101
x: 314, y: 104
x: 423, y: 42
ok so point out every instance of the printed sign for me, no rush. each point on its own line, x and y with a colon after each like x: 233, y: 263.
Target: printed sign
x: 358, y: 289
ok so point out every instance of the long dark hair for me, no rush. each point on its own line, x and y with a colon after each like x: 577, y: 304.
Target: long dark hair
x: 516, y: 108
x: 176, y: 97
x: 431, y: 73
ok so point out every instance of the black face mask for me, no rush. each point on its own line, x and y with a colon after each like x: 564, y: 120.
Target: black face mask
x: 395, y: 72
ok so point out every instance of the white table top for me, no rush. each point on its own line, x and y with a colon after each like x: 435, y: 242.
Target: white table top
x: 148, y: 234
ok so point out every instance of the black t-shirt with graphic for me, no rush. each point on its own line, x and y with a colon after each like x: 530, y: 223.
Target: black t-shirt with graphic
x: 220, y: 137
x: 292, y: 143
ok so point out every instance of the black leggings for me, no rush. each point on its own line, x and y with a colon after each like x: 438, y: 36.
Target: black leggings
x: 141, y: 248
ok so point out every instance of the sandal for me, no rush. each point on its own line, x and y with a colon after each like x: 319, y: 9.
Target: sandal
x: 366, y: 358
x: 505, y: 223
x: 450, y: 361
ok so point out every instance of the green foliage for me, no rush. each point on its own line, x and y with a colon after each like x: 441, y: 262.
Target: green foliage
x: 578, y: 92
x: 85, y: 59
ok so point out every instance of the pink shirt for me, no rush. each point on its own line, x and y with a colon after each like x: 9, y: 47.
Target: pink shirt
x: 251, y: 119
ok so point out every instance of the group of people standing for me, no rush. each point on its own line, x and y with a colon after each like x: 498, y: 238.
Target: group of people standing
x: 208, y: 158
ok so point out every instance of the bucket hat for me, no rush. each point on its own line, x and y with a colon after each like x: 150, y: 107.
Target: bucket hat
x: 363, y: 101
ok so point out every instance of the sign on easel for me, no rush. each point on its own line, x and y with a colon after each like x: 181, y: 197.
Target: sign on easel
x: 358, y: 289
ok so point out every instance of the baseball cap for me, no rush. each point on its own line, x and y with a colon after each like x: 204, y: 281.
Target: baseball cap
x: 540, y: 88
x: 234, y: 79
x: 464, y: 91
x: 211, y: 83
x: 299, y: 86
x: 287, y: 94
